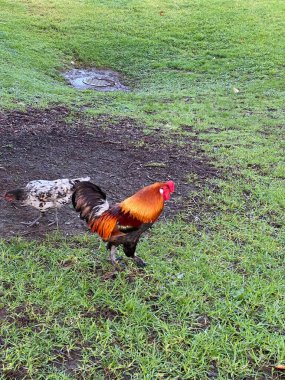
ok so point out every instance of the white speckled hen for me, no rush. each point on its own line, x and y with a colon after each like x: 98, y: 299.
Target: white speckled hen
x: 44, y: 195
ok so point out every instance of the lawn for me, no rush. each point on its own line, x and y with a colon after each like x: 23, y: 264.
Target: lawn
x: 210, y: 304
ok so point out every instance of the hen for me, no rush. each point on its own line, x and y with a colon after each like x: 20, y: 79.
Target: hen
x: 44, y: 195
x: 122, y: 223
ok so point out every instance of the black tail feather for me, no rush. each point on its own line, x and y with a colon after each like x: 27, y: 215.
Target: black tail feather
x: 86, y: 197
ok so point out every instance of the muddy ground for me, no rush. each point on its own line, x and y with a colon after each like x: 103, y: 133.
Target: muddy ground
x: 117, y: 154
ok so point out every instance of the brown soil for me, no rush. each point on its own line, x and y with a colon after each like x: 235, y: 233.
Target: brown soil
x: 117, y: 154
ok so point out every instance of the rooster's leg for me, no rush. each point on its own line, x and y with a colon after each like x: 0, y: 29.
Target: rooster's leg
x: 32, y: 223
x: 116, y: 261
x: 113, y: 255
x: 130, y: 249
x: 140, y: 262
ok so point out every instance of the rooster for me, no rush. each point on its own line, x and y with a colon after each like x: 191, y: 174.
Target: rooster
x: 44, y: 195
x: 122, y: 223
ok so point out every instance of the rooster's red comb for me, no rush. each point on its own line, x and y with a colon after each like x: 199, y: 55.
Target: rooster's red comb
x: 171, y: 186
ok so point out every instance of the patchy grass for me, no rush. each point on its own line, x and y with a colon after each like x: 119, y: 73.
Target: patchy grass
x: 211, y: 302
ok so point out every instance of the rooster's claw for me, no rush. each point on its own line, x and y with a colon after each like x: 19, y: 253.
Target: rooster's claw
x: 140, y: 262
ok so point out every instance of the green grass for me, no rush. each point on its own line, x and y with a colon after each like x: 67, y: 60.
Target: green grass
x: 211, y: 302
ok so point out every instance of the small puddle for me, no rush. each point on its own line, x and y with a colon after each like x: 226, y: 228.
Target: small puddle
x: 95, y: 79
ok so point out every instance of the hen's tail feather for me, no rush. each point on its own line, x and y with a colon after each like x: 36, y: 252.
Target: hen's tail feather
x: 81, y: 179
x: 89, y: 200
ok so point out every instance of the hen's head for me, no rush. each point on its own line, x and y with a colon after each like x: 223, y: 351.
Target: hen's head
x: 166, y: 189
x: 15, y: 195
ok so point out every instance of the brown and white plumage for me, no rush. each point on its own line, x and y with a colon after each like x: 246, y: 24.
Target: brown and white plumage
x: 124, y: 222
x: 45, y: 195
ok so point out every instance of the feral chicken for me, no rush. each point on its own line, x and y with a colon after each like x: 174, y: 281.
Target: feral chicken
x: 122, y: 223
x: 44, y: 195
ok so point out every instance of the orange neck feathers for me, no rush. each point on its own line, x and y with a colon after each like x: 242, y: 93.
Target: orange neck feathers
x: 146, y: 205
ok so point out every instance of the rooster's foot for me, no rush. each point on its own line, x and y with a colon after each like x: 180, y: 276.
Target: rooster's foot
x: 116, y: 261
x: 140, y: 262
x: 119, y: 263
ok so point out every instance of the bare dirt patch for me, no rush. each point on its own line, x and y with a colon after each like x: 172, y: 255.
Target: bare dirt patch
x: 117, y: 154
